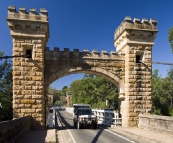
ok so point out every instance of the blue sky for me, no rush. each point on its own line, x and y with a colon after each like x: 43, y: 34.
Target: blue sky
x: 90, y: 24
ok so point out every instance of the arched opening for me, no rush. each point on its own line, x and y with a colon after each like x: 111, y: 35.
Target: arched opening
x: 111, y: 78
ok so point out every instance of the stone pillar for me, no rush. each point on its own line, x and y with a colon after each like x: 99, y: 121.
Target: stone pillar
x: 135, y: 40
x: 50, y: 100
x: 69, y: 98
x: 30, y: 32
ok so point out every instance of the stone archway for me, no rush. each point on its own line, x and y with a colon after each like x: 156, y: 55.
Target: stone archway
x: 98, y: 71
x: 130, y: 68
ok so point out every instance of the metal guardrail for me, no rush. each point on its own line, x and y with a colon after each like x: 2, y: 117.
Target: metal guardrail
x: 107, y: 117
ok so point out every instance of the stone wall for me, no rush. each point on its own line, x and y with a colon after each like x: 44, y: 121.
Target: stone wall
x: 12, y: 130
x: 156, y: 122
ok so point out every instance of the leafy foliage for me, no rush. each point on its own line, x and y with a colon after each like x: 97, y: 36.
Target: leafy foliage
x: 170, y: 38
x: 6, y: 95
x: 94, y: 90
x: 59, y: 96
x: 162, y: 93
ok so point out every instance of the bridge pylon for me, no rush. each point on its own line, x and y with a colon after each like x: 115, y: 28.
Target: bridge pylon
x: 135, y: 39
x: 30, y: 33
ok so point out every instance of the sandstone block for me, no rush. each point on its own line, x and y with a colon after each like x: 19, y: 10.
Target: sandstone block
x: 38, y: 45
x: 24, y: 110
x: 26, y: 68
x: 28, y: 101
x: 16, y: 78
x: 35, y: 115
x: 16, y: 73
x: 27, y: 114
x: 18, y: 96
x: 35, y: 69
x: 148, y: 85
x: 132, y: 114
x: 39, y: 73
x: 28, y: 105
x: 37, y: 97
x: 30, y: 83
x: 16, y: 110
x: 16, y: 63
x: 40, y: 101
x: 39, y: 92
x: 28, y: 87
x: 25, y: 92
x: 28, y: 96
x: 27, y: 41
x: 31, y: 110
x: 28, y: 77
x: 38, y: 55
x: 18, y: 105
x: 38, y: 106
x: 18, y: 115
x: 139, y: 110
x: 39, y: 83
x: 17, y: 92
x: 39, y: 110
x: 37, y: 78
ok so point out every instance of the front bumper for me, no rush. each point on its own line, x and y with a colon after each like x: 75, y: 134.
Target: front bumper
x: 87, y: 123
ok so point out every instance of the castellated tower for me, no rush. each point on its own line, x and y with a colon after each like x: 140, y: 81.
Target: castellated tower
x: 135, y: 39
x: 30, y: 33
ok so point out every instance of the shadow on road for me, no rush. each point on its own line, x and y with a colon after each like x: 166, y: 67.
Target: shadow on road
x: 97, y: 136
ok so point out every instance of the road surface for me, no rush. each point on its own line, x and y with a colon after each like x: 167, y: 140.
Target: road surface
x: 67, y: 133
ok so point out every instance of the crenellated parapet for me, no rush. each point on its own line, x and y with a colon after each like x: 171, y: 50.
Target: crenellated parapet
x: 57, y: 54
x: 28, y: 24
x: 131, y: 31
x: 31, y: 15
x: 56, y: 61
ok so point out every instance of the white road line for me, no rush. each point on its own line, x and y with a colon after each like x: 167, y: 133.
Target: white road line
x: 118, y: 135
x: 71, y: 135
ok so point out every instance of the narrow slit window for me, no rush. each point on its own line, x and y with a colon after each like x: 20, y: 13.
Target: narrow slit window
x: 138, y: 59
x: 17, y: 26
x: 37, y: 28
x: 29, y: 53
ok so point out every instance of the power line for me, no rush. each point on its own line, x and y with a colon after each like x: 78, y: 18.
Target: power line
x: 22, y: 56
x: 163, y: 63
x: 102, y: 94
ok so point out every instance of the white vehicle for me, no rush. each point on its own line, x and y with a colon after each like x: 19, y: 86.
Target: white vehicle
x: 51, y: 118
x: 83, y: 117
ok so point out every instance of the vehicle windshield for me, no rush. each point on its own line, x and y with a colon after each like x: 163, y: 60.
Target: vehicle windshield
x: 84, y: 112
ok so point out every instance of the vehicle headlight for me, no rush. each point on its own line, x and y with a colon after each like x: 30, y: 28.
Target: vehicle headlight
x: 80, y: 119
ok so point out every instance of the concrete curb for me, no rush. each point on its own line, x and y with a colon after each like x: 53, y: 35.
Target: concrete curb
x: 51, y: 136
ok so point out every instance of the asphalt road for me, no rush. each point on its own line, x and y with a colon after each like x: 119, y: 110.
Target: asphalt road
x: 69, y: 134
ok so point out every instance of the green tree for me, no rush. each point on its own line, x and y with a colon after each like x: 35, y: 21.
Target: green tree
x: 94, y: 90
x: 56, y: 94
x: 162, y: 91
x: 6, y: 95
x: 64, y: 90
x: 170, y: 37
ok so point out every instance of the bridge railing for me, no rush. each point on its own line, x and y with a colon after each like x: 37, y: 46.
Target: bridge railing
x: 13, y: 130
x: 108, y: 117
